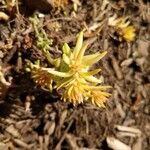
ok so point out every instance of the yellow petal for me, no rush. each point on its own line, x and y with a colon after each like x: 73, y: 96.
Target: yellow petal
x: 122, y: 22
x: 128, y: 33
x: 101, y: 87
x: 99, y: 98
x: 64, y: 82
x: 70, y: 91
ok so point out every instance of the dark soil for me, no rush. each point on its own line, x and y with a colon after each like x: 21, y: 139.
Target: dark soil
x: 32, y: 118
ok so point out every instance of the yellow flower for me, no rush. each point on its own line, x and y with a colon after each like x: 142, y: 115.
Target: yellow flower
x: 124, y: 30
x: 74, y: 93
x: 99, y: 98
x: 74, y: 77
x: 127, y: 33
x: 41, y: 77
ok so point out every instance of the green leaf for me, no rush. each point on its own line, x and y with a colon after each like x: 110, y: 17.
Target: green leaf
x: 90, y: 73
x: 54, y: 72
x: 89, y: 60
x: 66, y: 59
x: 78, y: 45
x: 57, y: 73
x: 93, y: 79
x: 81, y: 52
x: 66, y: 49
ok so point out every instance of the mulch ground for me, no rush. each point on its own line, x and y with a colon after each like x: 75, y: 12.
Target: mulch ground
x: 34, y: 119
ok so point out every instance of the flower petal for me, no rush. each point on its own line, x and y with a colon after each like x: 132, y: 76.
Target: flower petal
x: 128, y: 33
x: 64, y: 82
x: 101, y: 87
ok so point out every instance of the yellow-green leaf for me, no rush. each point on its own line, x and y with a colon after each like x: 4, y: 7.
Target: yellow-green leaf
x: 93, y: 59
x: 66, y: 49
x: 90, y: 73
x: 78, y: 45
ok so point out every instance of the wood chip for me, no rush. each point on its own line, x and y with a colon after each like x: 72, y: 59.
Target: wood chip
x: 128, y: 129
x: 126, y: 134
x: 76, y: 2
x: 118, y: 105
x: 58, y: 146
x: 127, y: 62
x: 117, y: 68
x: 138, y: 144
x: 13, y: 131
x: 120, y: 91
x: 40, y: 139
x: 1, y: 54
x: 49, y: 127
x: 115, y: 144
x: 46, y: 141
x: 21, y: 143
x: 143, y: 47
x: 72, y: 141
x: 63, y: 117
x: 3, y: 146
x: 137, y: 103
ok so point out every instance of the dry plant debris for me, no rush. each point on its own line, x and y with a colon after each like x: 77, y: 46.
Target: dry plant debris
x: 32, y: 115
x: 59, y: 3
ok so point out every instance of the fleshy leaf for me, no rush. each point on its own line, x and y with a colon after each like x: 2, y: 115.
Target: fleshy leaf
x: 78, y: 45
x: 66, y: 59
x: 66, y: 49
x: 81, y: 52
x: 89, y: 61
x: 93, y: 79
x: 90, y: 73
x: 53, y: 72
